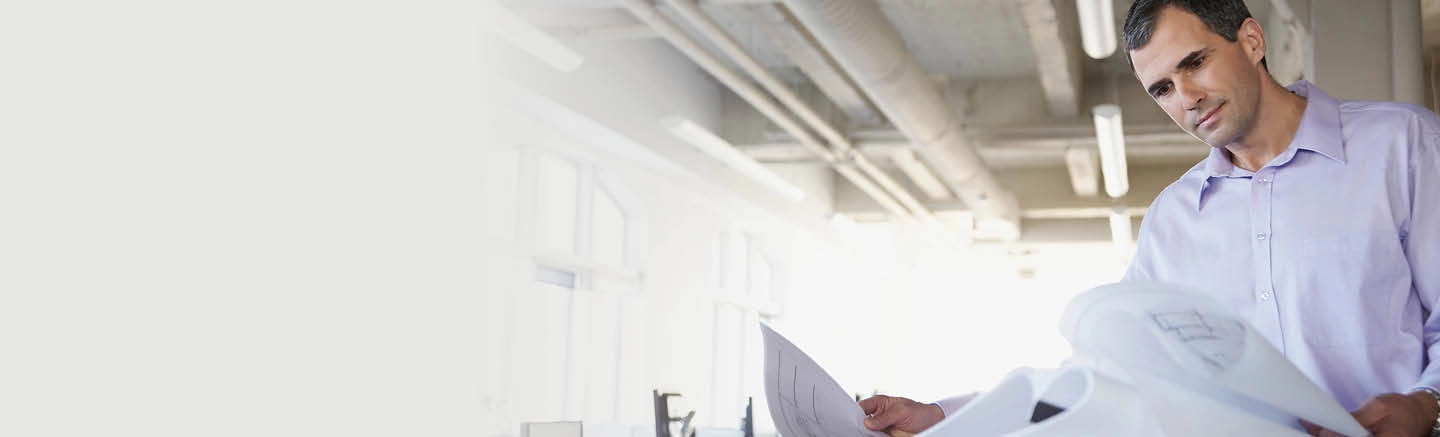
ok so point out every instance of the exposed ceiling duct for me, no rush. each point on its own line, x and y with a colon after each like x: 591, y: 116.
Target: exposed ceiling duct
x: 777, y: 26
x: 859, y: 36
x: 845, y: 163
x: 839, y: 144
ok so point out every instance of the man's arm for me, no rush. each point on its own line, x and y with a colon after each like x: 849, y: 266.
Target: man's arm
x: 1422, y: 244
x: 1415, y: 413
x: 1141, y: 266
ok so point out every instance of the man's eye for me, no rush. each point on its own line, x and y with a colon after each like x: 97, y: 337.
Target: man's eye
x: 1195, y: 63
x: 1161, y: 91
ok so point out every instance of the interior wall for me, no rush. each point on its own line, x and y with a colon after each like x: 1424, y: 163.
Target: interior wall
x: 221, y: 219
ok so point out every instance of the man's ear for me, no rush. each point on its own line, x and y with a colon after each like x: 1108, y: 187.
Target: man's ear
x: 1252, y: 40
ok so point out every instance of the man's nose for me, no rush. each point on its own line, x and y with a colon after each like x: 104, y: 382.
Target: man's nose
x: 1192, y: 96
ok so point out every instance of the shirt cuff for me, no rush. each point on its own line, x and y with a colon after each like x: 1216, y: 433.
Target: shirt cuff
x: 954, y: 403
x: 1430, y: 379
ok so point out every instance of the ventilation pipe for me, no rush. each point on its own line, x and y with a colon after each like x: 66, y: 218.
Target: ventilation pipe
x: 859, y: 36
x: 710, y: 29
x: 843, y: 164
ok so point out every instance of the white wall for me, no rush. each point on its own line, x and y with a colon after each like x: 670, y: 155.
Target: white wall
x: 228, y: 219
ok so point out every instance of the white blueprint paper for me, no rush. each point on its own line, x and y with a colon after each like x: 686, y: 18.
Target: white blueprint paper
x: 1151, y: 359
x: 1093, y: 405
x: 804, y: 400
x: 1001, y: 410
x: 1182, y: 348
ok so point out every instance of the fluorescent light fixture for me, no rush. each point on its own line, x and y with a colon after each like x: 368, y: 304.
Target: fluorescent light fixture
x: 1084, y: 170
x: 1110, y: 134
x: 1097, y: 27
x: 722, y: 150
x: 1120, y: 232
x: 527, y: 37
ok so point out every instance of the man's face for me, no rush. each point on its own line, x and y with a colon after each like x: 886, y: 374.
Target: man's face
x: 1208, y: 85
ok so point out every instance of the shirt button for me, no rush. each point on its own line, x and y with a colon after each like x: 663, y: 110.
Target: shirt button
x: 1264, y: 180
x: 1265, y: 296
x: 1260, y: 236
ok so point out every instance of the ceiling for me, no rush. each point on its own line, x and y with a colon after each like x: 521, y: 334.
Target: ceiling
x: 985, y: 56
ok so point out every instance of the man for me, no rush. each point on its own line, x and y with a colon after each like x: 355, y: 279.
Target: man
x: 1316, y: 219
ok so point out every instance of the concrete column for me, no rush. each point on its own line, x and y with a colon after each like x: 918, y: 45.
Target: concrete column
x: 1368, y: 50
x: 1407, y: 54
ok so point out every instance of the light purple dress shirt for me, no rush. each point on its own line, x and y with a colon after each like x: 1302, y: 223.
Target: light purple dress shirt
x: 1331, y: 251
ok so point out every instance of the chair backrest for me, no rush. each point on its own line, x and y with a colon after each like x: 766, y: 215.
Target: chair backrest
x: 551, y: 429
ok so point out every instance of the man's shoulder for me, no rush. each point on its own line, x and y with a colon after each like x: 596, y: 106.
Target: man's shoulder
x: 1166, y: 219
x: 1389, y: 114
x: 1419, y: 125
x: 1184, y: 191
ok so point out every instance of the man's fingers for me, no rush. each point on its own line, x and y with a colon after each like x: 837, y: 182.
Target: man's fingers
x: 874, y: 407
x: 870, y: 404
x: 898, y: 433
x: 1371, y: 412
x: 892, y: 413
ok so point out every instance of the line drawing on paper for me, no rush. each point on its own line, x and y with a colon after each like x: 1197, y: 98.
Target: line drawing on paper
x: 792, y: 408
x: 1217, y: 341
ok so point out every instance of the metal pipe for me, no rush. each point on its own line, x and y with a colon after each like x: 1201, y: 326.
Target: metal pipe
x: 707, y: 26
x: 859, y: 36
x: 677, y: 37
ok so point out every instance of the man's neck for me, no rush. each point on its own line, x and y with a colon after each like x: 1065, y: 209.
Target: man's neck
x: 1276, y: 121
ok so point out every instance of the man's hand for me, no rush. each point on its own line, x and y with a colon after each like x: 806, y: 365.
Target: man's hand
x: 899, y: 416
x: 1391, y: 415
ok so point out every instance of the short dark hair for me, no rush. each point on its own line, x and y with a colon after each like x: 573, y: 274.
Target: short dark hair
x: 1223, y: 17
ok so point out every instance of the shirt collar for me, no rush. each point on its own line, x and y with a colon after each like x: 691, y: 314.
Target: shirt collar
x: 1319, y: 132
x: 1320, y: 125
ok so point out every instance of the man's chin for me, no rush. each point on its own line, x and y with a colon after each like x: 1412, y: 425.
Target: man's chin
x: 1199, y: 136
x: 1214, y: 139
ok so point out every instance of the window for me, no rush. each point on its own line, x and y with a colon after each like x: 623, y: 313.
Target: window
x: 558, y: 277
x: 757, y: 278
x: 728, y: 387
x: 611, y: 241
x: 745, y: 286
x: 583, y: 230
x: 556, y: 204
x: 607, y: 230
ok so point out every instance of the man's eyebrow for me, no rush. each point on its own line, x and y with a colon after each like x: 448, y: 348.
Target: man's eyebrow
x: 1189, y: 59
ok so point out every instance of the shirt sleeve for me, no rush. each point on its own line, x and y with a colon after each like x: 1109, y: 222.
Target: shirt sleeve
x: 1139, y: 269
x: 954, y: 403
x: 1141, y: 266
x: 1421, y: 240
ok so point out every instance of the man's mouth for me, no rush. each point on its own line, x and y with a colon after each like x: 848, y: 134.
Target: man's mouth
x: 1208, y: 115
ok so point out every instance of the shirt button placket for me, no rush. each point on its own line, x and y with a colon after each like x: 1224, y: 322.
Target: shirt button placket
x: 1261, y: 205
